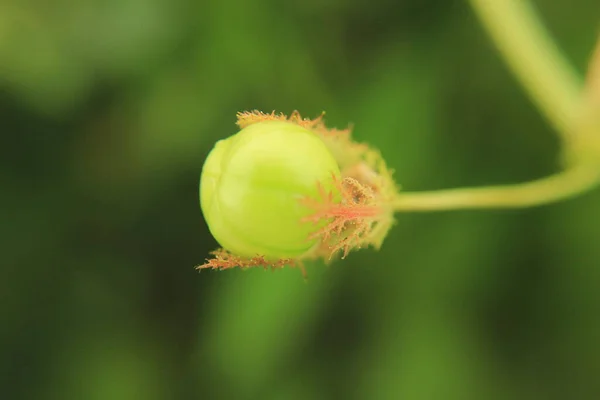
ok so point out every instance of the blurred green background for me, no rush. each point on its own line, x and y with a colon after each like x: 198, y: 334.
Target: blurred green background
x: 107, y: 112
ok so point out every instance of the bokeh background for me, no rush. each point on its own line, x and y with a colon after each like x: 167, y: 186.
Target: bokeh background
x: 107, y: 112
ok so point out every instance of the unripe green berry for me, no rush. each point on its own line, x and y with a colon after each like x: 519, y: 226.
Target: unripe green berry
x: 252, y: 184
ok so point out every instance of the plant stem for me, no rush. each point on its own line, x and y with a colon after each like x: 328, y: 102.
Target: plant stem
x: 564, y: 185
x: 534, y: 58
x: 552, y: 85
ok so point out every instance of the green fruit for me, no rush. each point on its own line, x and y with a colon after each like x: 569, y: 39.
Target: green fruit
x: 252, y: 184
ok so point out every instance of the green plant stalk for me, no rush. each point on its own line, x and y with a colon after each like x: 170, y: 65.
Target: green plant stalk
x: 570, y: 183
x: 535, y: 60
x: 553, y: 86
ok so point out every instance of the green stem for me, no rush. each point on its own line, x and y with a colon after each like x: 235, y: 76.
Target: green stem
x: 534, y: 58
x: 553, y: 86
x: 567, y: 184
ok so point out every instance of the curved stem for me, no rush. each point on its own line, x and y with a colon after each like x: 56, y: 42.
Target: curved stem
x: 534, y: 58
x: 553, y: 86
x: 561, y: 186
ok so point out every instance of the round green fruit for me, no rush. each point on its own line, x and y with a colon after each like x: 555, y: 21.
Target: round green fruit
x: 252, y: 183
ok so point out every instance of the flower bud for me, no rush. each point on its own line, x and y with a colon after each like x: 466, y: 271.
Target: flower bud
x: 252, y: 184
